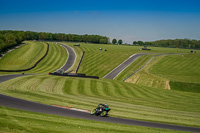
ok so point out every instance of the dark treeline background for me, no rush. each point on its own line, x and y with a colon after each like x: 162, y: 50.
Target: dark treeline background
x: 176, y: 43
x: 9, y: 38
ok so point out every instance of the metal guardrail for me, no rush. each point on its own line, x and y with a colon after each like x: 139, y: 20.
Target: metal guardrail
x: 80, y: 62
x: 74, y: 75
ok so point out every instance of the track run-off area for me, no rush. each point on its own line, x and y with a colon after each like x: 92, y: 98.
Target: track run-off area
x: 21, y: 104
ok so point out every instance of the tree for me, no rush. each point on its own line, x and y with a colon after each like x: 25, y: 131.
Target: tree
x: 2, y: 45
x: 140, y: 42
x: 134, y: 42
x: 120, y: 41
x: 42, y: 36
x: 20, y: 36
x: 114, y: 41
x: 103, y: 41
x: 10, y: 39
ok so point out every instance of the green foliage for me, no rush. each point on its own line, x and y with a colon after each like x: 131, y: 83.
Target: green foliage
x: 114, y: 41
x: 138, y: 43
x: 103, y: 41
x: 120, y: 41
x: 180, y: 43
x: 10, y: 38
x: 134, y: 42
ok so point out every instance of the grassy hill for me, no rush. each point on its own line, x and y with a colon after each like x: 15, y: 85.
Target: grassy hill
x: 16, y: 59
x: 182, y: 68
x: 149, y: 98
x: 126, y: 100
x: 98, y: 62
x: 54, y: 60
x: 178, y: 72
x: 23, y: 57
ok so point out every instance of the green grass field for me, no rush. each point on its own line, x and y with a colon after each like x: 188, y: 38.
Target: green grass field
x: 12, y: 120
x: 136, y: 102
x: 151, y: 96
x: 177, y: 72
x: 54, y: 60
x: 99, y: 62
x: 24, y: 57
x: 184, y: 68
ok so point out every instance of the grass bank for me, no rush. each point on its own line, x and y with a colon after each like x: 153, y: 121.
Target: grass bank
x: 98, y: 62
x: 126, y: 100
x: 23, y: 57
x: 12, y: 120
x: 55, y: 59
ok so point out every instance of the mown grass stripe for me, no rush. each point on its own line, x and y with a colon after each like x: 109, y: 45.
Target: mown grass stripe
x: 27, y: 60
x: 55, y: 59
x: 128, y: 89
x: 119, y: 90
x: 105, y: 89
x: 149, y: 106
x: 93, y: 87
x: 81, y: 84
x: 67, y: 87
x: 100, y: 89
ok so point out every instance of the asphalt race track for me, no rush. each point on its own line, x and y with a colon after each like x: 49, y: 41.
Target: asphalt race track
x: 71, y: 58
x: 121, y: 67
x: 21, y: 104
x: 8, y: 77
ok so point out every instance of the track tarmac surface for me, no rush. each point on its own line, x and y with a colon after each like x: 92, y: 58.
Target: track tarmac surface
x: 122, y: 66
x: 71, y: 58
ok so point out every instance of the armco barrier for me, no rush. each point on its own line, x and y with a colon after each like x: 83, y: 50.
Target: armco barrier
x: 30, y: 67
x: 74, y: 75
x: 80, y: 62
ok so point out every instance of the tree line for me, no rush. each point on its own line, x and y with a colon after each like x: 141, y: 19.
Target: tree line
x: 114, y: 41
x: 172, y: 43
x: 9, y: 38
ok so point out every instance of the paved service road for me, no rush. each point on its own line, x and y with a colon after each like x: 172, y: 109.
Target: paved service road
x: 123, y: 66
x: 42, y: 108
x: 71, y: 58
